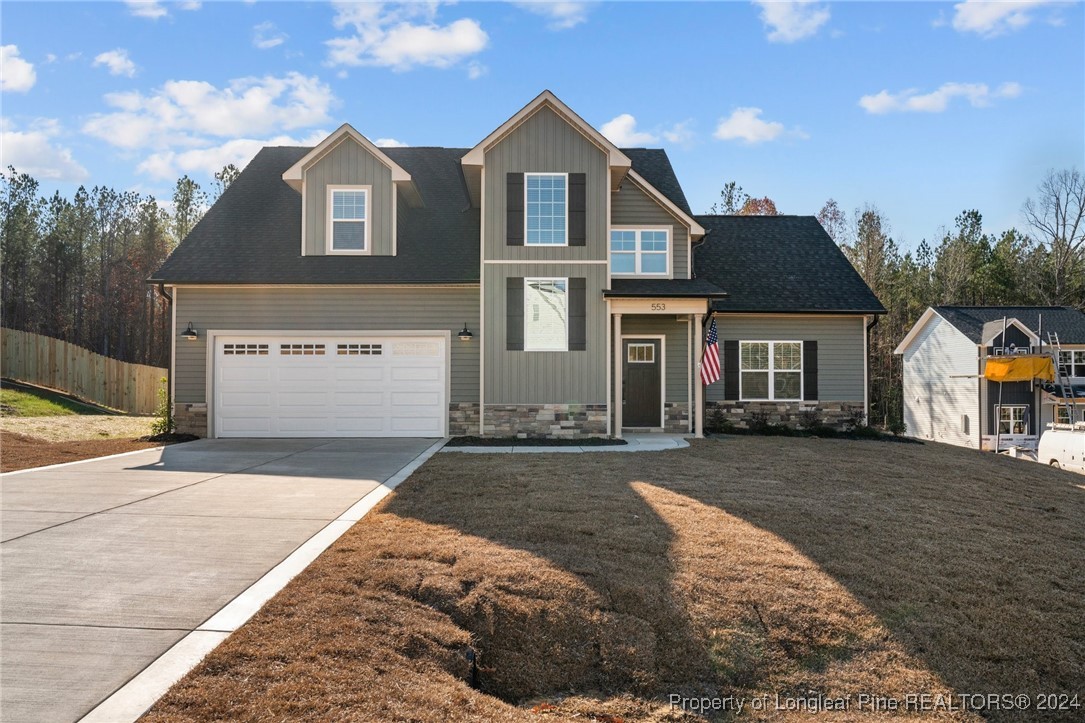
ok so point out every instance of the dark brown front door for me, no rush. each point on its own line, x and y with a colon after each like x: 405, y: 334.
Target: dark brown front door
x: 641, y: 401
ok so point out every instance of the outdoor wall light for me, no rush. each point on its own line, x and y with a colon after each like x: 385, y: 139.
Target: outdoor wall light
x: 190, y: 333
x: 465, y: 333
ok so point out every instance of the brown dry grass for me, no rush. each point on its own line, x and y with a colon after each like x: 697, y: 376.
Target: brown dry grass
x: 593, y: 585
x: 20, y: 451
x: 78, y: 427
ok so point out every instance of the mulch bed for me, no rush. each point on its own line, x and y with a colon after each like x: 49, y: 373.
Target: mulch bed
x: 532, y: 442
x: 19, y: 451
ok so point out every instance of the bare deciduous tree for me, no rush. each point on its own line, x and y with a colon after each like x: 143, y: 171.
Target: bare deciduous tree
x: 1057, y: 217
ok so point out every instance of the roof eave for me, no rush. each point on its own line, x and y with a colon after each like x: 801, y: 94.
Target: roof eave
x: 296, y: 173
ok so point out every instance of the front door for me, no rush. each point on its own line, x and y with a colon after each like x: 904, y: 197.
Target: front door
x: 642, y: 401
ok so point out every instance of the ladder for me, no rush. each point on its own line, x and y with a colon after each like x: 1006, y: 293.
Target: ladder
x: 1061, y: 382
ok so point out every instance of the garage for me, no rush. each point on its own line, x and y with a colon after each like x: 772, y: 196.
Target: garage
x: 335, y: 385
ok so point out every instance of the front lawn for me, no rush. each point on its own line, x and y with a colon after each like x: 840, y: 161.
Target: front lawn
x: 25, y: 401
x: 594, y: 586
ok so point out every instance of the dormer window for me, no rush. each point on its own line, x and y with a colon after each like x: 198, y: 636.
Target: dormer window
x: 546, y: 206
x: 348, y: 220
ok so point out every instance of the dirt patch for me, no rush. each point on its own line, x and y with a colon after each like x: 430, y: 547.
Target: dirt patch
x: 78, y: 427
x: 592, y: 587
x: 19, y: 451
x: 532, y: 442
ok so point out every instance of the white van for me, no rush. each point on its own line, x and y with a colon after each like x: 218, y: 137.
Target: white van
x: 1063, y: 445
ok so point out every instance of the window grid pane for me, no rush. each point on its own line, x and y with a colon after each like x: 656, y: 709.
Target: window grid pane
x: 545, y: 315
x: 348, y: 205
x: 755, y: 385
x: 787, y: 385
x: 787, y: 356
x: 348, y: 235
x: 545, y: 210
x: 755, y: 355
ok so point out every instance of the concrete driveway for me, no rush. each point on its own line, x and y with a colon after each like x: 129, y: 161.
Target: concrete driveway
x: 108, y: 563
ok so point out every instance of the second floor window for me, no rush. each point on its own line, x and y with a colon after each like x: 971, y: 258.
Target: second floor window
x: 640, y: 252
x: 546, y: 209
x: 348, y: 220
x: 1072, y: 362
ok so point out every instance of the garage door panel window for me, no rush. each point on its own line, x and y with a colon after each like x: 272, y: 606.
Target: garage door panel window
x: 301, y: 349
x: 770, y: 370
x: 358, y: 349
x: 244, y: 349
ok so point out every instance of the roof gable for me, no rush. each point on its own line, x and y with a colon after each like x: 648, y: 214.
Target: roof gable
x: 295, y: 174
x: 696, y: 230
x: 1065, y: 321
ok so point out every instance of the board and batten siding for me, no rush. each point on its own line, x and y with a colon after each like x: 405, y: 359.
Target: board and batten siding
x: 348, y: 164
x: 841, y: 360
x: 631, y: 206
x: 676, y: 353
x: 315, y: 308
x: 545, y: 377
x: 937, y: 397
x: 546, y: 143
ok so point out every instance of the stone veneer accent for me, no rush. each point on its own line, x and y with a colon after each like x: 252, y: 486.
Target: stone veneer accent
x: 463, y: 419
x: 190, y: 418
x: 676, y: 417
x: 832, y: 414
x: 546, y: 420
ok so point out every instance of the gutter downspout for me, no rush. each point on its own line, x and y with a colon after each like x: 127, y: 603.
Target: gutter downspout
x: 866, y: 372
x: 169, y: 357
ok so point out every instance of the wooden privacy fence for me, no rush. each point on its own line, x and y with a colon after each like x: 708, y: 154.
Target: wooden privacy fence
x: 49, y: 362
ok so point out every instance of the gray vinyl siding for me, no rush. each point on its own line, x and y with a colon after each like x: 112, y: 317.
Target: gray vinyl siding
x: 527, y: 377
x: 676, y: 353
x: 348, y: 164
x: 347, y: 309
x: 545, y: 143
x: 840, y: 348
x: 631, y: 206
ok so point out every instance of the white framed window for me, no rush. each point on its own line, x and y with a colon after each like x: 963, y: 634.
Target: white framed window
x: 546, y: 314
x: 641, y: 354
x: 546, y: 203
x: 1062, y: 414
x: 348, y: 228
x: 1011, y: 419
x: 770, y: 370
x: 1072, y: 362
x: 640, y: 252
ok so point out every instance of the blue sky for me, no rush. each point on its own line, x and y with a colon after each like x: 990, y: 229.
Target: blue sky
x: 924, y: 109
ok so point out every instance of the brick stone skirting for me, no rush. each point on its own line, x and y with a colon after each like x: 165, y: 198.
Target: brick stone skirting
x: 190, y: 418
x: 546, y: 420
x: 462, y: 419
x: 838, y: 415
x: 676, y: 417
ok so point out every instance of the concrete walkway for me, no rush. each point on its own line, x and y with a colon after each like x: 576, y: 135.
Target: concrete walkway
x: 635, y: 443
x: 107, y: 564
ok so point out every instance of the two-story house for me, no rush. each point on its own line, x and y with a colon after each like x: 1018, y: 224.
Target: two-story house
x: 543, y: 282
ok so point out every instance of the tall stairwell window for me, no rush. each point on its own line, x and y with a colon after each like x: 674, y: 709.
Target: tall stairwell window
x: 546, y: 207
x: 348, y: 220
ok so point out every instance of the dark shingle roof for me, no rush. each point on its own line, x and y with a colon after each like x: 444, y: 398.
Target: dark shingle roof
x: 779, y: 264
x: 663, y: 287
x: 654, y: 165
x: 252, y: 235
x: 1067, y: 322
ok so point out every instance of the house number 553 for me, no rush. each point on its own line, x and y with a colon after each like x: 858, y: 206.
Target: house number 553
x: 659, y: 307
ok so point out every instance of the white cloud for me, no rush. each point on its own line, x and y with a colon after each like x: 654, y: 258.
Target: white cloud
x: 169, y: 164
x: 990, y: 19
x: 190, y: 5
x: 117, y: 61
x: 680, y: 133
x: 793, y: 20
x: 402, y: 36
x: 34, y: 151
x: 622, y: 132
x: 266, y: 35
x: 149, y: 9
x: 476, y: 70
x: 50, y: 58
x: 978, y: 95
x: 16, y: 75
x: 185, y: 112
x: 562, y: 15
x: 388, y: 143
x: 746, y: 125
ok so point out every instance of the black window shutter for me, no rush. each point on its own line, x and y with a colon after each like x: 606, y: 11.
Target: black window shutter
x: 514, y: 313
x: 514, y: 209
x: 730, y: 369
x: 578, y: 225
x: 578, y: 312
x: 810, y: 371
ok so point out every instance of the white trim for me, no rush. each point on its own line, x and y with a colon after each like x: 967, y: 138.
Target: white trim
x: 690, y: 370
x: 173, y: 348
x: 304, y: 203
x: 295, y: 174
x: 637, y: 273
x: 662, y: 338
x: 772, y: 370
x: 699, y: 388
x: 923, y: 320
x: 547, y: 279
x: 565, y: 204
x: 695, y: 229
x: 213, y: 334
x: 329, y: 222
x: 395, y: 220
x: 1034, y: 340
x: 617, y: 375
x: 477, y: 155
x: 609, y: 351
x: 482, y: 308
x: 561, y: 262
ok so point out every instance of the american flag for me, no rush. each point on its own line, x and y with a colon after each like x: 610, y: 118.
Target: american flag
x: 710, y: 362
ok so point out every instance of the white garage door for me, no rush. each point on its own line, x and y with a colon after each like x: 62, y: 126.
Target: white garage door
x: 333, y: 386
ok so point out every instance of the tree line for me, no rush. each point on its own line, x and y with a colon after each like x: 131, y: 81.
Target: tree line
x: 76, y: 269
x: 1042, y: 264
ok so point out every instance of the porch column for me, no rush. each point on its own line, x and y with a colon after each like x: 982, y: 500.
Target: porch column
x: 619, y: 396
x: 698, y: 387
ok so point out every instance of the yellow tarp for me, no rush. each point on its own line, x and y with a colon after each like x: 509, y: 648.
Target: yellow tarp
x: 1020, y: 368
